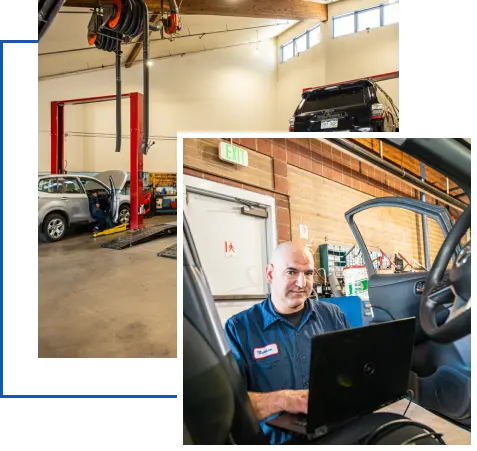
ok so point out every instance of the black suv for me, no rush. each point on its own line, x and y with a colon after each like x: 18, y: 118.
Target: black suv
x: 351, y: 106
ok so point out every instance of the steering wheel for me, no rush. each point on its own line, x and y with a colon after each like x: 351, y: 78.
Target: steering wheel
x: 458, y: 324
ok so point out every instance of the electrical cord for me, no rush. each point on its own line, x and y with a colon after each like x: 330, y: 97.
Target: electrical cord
x: 398, y: 424
x: 408, y: 404
x: 414, y: 439
x: 395, y: 112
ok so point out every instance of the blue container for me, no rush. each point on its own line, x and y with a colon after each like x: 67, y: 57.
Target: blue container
x: 352, y: 307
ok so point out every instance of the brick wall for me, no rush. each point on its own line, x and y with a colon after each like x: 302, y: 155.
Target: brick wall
x: 261, y: 176
x: 315, y: 184
x: 412, y: 166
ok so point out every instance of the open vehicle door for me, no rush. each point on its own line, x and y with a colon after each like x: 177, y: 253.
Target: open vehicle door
x: 113, y: 202
x: 440, y: 371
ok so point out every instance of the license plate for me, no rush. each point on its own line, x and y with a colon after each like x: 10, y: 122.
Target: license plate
x: 332, y: 123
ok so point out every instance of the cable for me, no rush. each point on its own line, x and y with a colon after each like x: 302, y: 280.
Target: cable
x: 384, y: 310
x: 409, y: 403
x: 395, y: 113
x: 421, y: 436
x: 397, y: 424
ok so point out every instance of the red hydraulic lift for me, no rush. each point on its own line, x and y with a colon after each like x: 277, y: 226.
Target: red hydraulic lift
x: 375, y: 78
x: 136, y: 131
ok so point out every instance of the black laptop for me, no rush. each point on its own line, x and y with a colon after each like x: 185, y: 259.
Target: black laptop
x: 353, y: 372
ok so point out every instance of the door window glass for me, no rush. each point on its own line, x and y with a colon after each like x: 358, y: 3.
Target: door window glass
x: 49, y: 185
x: 69, y: 186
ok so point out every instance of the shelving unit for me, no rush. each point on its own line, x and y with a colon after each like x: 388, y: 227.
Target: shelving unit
x: 164, y: 192
x: 332, y: 258
x: 162, y: 179
x: 335, y: 257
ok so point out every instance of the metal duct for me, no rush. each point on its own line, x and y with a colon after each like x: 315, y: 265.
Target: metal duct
x: 368, y: 157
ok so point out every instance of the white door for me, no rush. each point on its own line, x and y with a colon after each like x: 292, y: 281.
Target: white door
x: 239, y: 270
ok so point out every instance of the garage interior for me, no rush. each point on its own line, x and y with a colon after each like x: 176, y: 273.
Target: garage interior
x: 300, y: 189
x: 227, y: 60
x: 197, y: 67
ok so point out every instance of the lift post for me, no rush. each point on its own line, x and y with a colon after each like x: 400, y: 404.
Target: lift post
x: 136, y: 156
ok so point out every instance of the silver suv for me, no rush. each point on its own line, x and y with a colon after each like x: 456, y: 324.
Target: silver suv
x: 63, y: 200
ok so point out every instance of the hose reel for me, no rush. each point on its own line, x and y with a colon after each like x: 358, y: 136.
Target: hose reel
x: 113, y: 23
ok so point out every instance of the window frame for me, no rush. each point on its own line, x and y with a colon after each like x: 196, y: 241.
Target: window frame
x: 317, y: 26
x: 49, y: 180
x: 355, y: 14
x: 74, y: 180
x: 293, y: 43
x: 92, y: 179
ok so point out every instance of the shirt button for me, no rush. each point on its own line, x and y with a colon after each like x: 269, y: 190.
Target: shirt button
x: 306, y: 384
x: 303, y: 357
x: 298, y: 334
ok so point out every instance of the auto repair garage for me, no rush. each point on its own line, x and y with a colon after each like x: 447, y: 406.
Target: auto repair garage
x: 347, y: 49
x: 374, y: 217
x: 190, y: 60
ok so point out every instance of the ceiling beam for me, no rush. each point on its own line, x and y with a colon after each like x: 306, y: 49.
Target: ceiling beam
x: 155, y: 18
x: 265, y: 9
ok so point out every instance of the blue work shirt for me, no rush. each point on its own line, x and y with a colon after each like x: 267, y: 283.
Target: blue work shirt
x: 272, y: 354
x: 93, y: 209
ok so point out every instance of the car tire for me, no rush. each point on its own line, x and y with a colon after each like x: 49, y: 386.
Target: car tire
x: 124, y: 215
x: 54, y: 227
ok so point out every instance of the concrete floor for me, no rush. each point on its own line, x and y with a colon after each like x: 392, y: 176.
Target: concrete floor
x: 96, y: 302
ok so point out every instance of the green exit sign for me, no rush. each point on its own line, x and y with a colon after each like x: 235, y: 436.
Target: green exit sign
x: 233, y: 154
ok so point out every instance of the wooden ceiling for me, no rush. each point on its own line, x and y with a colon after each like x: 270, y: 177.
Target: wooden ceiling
x: 269, y: 9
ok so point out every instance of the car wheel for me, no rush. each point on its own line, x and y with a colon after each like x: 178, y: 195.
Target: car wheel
x: 124, y: 214
x: 54, y: 227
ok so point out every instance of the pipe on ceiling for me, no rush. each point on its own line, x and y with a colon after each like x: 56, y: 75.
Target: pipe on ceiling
x: 368, y: 157
x: 200, y: 35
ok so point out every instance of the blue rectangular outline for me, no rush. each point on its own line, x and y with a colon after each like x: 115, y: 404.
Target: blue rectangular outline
x: 3, y: 395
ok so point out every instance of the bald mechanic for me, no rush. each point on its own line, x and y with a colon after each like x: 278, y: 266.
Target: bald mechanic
x: 271, y: 341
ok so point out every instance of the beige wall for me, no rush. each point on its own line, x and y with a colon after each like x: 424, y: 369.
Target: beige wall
x: 333, y: 60
x: 221, y: 90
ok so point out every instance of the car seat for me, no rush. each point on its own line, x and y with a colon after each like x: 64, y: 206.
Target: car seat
x: 217, y: 409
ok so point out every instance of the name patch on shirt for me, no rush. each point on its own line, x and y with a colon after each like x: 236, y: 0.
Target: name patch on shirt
x: 266, y: 351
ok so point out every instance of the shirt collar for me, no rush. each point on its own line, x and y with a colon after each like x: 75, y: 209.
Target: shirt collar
x: 270, y: 316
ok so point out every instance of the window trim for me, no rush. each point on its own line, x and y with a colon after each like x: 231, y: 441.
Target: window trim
x: 358, y: 11
x: 317, y: 26
x: 48, y: 178
x: 295, y: 50
x: 92, y: 179
x: 76, y: 179
x: 341, y: 16
x: 293, y: 43
x: 282, y: 51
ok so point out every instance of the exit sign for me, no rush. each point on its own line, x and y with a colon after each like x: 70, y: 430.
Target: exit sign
x: 233, y: 154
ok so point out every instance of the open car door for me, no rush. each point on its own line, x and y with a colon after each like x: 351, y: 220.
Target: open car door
x: 440, y: 373
x: 396, y: 295
x: 113, y: 201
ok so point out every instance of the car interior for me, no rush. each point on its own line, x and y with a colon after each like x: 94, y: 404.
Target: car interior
x: 440, y: 373
x: 217, y: 409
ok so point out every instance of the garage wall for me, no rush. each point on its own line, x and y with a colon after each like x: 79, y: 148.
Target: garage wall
x: 334, y: 60
x: 226, y: 284
x: 321, y: 204
x: 267, y: 163
x: 74, y: 120
x: 315, y: 184
x: 222, y: 93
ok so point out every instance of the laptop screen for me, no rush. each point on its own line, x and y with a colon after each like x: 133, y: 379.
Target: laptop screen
x: 356, y: 371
